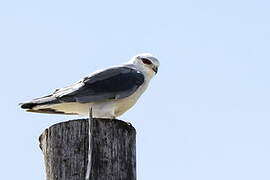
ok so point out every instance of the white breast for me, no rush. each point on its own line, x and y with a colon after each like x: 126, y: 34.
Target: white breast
x: 122, y: 105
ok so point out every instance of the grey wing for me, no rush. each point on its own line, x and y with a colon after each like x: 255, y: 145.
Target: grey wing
x: 113, y: 83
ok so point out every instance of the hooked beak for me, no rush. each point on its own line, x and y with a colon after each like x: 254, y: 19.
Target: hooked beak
x: 155, y: 69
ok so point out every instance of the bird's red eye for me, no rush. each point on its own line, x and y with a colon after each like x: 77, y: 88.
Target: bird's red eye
x: 146, y: 61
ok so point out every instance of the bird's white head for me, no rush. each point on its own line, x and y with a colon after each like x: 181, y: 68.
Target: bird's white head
x: 147, y: 63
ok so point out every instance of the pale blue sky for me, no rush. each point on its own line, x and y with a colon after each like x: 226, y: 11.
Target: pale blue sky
x: 205, y: 116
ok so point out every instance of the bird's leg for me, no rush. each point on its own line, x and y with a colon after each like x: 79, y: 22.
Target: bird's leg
x: 113, y: 113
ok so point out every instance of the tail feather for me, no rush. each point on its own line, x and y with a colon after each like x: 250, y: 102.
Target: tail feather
x: 28, y: 105
x: 46, y: 100
x: 49, y: 111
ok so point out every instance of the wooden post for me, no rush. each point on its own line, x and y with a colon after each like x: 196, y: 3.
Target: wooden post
x: 112, y: 150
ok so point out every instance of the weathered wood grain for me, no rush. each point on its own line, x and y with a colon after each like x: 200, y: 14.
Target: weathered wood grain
x: 112, y: 150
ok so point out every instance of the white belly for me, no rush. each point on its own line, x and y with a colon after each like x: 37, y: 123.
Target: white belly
x: 122, y: 105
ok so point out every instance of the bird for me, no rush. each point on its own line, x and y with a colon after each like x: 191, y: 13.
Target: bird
x: 109, y: 92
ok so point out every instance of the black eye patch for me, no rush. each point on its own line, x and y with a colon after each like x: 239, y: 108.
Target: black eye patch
x: 146, y: 61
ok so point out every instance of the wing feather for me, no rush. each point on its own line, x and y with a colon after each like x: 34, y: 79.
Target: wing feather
x: 113, y: 83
